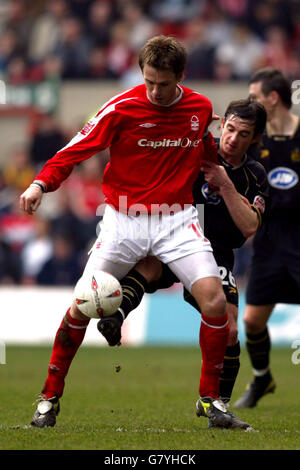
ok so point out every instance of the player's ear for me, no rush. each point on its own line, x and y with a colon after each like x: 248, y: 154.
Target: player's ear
x: 273, y: 97
x: 256, y: 139
x: 180, y: 77
x: 223, y: 122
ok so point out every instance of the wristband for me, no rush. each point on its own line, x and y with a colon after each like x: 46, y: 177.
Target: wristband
x: 39, y: 185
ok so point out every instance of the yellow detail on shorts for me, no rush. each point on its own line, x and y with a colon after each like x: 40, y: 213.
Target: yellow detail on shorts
x: 232, y: 290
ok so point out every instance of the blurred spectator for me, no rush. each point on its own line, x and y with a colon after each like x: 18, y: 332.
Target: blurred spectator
x: 97, y: 64
x: 278, y: 53
x: 47, y: 140
x: 20, y: 72
x: 119, y: 53
x: 200, y: 52
x: 176, y: 10
x: 242, y: 53
x: 269, y: 13
x: 7, y: 195
x: 66, y: 222
x: 19, y: 19
x: 52, y: 67
x: 81, y: 8
x: 141, y: 27
x: 8, y: 49
x: 18, y: 172
x: 100, y: 20
x: 37, y: 251
x: 79, y: 203
x: 218, y: 27
x: 16, y: 228
x: 72, y: 49
x: 133, y: 75
x: 63, y: 268
x: 235, y: 9
x: 46, y: 30
x: 10, y: 267
x: 84, y: 187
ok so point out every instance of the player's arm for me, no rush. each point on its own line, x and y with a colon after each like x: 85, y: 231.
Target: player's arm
x: 210, y: 148
x: 96, y: 135
x: 246, y: 219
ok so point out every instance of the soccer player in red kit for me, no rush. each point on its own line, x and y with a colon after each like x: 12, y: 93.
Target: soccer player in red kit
x: 155, y: 133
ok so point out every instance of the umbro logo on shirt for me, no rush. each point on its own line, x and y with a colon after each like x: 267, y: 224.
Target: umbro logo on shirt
x: 147, y: 125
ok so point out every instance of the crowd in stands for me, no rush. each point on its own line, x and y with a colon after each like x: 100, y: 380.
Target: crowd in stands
x: 100, y: 39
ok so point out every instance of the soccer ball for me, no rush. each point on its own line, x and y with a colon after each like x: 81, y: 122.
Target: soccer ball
x: 98, y: 295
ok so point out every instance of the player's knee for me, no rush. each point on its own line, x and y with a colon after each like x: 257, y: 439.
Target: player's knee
x: 252, y: 324
x: 214, y: 306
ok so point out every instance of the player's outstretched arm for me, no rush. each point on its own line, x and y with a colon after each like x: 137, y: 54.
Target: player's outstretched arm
x: 31, y: 198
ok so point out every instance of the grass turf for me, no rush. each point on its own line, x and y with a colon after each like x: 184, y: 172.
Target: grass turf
x: 148, y: 404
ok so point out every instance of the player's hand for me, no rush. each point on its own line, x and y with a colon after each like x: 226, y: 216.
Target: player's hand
x: 31, y: 199
x: 215, y: 175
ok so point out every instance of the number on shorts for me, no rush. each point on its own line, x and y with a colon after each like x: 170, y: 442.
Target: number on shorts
x: 227, y: 277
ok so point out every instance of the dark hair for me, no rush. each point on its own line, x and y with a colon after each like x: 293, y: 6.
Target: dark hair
x: 164, y: 53
x: 273, y: 80
x: 250, y: 111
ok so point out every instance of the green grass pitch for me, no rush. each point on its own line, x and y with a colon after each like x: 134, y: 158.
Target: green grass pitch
x: 140, y: 398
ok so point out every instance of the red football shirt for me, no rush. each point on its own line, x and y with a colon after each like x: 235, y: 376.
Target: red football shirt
x: 155, y: 151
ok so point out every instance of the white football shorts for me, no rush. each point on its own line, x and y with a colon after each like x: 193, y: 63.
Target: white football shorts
x: 175, y: 239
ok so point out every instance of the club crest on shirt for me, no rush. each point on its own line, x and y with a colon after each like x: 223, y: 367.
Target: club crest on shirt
x: 210, y: 194
x: 259, y: 203
x: 194, y: 123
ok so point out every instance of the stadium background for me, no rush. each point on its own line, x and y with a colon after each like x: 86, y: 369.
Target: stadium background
x: 60, y: 60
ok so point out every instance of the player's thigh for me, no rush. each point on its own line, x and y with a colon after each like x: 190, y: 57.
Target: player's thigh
x: 256, y: 317
x: 177, y: 236
x: 197, y: 266
x: 200, y: 275
x: 119, y: 246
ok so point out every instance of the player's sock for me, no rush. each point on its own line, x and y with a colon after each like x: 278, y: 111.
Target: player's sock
x: 133, y: 286
x: 230, y: 371
x: 68, y: 338
x: 258, y: 346
x: 213, y: 340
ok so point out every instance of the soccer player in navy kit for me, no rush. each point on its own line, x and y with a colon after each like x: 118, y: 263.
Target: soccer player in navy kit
x: 155, y: 135
x: 275, y: 267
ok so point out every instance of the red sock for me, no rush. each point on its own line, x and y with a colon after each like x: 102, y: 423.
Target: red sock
x: 213, y: 342
x: 68, y: 338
